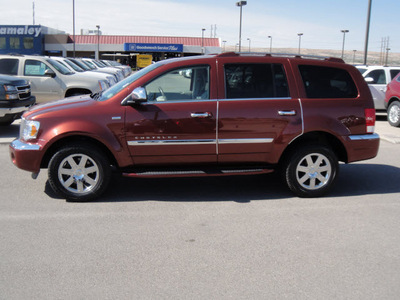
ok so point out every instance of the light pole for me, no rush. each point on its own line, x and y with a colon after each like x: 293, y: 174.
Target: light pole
x: 354, y: 56
x: 367, y: 32
x: 249, y: 43
x: 98, y: 41
x: 270, y: 44
x: 344, y: 36
x: 387, y: 56
x: 224, y: 42
x: 73, y: 24
x: 240, y: 4
x: 299, y: 34
x: 202, y: 40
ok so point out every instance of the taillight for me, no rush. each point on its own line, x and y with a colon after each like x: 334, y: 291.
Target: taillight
x: 370, y: 119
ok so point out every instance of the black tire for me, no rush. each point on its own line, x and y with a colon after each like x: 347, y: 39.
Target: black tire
x: 311, y: 170
x: 394, y: 114
x: 79, y: 173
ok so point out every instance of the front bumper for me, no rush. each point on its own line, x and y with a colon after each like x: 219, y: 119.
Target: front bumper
x: 16, y: 106
x: 26, y: 156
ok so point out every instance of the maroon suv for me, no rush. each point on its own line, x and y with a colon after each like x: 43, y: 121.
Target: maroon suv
x: 208, y: 115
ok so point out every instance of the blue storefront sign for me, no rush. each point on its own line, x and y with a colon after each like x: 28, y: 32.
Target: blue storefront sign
x: 141, y: 47
x: 22, y: 39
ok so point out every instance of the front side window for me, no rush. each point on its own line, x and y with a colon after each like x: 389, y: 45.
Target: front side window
x: 255, y: 81
x: 326, y: 82
x: 34, y: 68
x: 9, y: 66
x: 180, y: 84
x: 394, y: 72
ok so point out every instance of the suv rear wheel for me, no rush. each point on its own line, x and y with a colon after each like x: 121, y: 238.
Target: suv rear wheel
x: 79, y: 173
x: 311, y: 170
x: 394, y: 114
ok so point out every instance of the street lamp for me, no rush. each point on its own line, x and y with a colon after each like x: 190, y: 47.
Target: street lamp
x: 270, y: 44
x: 344, y: 36
x: 299, y: 34
x: 387, y: 56
x: 240, y: 4
x: 354, y: 56
x: 202, y: 40
x: 224, y: 42
x: 249, y: 43
x: 73, y: 24
x: 98, y: 41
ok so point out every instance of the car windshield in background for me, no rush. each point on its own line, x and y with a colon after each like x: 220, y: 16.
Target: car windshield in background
x: 115, y: 89
x: 81, y: 64
x: 73, y: 66
x: 59, y: 67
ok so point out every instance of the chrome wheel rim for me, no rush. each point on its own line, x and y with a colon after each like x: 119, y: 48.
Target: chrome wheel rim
x: 313, y: 171
x: 78, y: 173
x: 394, y: 114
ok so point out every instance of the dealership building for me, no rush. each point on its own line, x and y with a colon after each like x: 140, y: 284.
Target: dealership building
x: 42, y: 40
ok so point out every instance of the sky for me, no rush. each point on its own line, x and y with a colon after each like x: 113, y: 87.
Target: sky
x: 320, y: 21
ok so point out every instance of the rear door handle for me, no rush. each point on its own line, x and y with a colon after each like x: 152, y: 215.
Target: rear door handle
x: 287, y: 112
x: 201, y: 115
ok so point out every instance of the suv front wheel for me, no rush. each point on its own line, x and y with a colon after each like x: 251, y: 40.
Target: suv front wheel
x: 311, y: 170
x: 79, y: 173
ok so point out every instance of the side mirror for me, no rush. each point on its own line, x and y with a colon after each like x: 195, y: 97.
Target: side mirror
x: 369, y: 80
x: 49, y: 73
x: 136, y: 97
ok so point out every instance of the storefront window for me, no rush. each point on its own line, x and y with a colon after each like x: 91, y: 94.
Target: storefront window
x: 2, y: 43
x: 14, y: 43
x: 28, y: 43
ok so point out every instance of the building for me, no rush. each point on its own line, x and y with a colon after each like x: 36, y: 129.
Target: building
x: 41, y: 40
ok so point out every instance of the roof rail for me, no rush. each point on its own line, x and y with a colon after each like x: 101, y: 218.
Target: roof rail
x: 327, y: 58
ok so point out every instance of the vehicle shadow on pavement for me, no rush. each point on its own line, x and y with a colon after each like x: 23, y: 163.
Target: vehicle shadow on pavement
x: 353, y: 180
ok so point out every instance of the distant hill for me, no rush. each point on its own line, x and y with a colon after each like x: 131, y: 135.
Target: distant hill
x: 374, y: 58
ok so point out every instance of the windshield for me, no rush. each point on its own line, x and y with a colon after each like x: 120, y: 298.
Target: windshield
x: 59, y: 67
x: 115, y: 89
x: 362, y: 70
x: 90, y: 64
x: 79, y: 63
x: 73, y: 66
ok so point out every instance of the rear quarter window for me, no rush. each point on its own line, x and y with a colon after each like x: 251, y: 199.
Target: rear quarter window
x: 327, y: 82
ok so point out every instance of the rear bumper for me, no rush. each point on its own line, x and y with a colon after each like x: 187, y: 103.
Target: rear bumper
x: 26, y: 156
x: 362, y: 147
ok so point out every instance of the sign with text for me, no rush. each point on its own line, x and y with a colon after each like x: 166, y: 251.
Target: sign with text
x: 139, y: 47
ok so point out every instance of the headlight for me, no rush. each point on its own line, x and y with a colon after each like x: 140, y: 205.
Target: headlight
x: 103, y: 85
x: 10, y: 88
x: 29, y: 129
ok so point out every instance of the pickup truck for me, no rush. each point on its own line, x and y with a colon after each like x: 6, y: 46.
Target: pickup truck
x: 15, y: 98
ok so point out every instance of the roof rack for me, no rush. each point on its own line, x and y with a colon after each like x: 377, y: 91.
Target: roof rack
x: 327, y: 58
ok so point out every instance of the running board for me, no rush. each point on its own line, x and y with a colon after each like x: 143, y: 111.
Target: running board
x: 196, y: 173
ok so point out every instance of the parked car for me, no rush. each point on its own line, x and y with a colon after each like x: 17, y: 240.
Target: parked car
x: 15, y: 98
x: 49, y: 80
x: 98, y: 66
x: 378, y: 78
x: 112, y: 63
x: 235, y: 114
x: 84, y: 65
x: 392, y: 101
x: 76, y: 69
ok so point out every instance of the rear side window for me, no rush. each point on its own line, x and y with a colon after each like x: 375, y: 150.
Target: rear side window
x: 9, y: 66
x: 255, y: 81
x: 326, y: 82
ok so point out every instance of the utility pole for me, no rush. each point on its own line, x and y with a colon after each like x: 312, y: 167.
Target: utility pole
x: 367, y: 32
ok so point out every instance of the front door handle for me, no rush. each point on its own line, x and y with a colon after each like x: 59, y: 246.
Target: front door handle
x: 201, y: 115
x: 287, y: 112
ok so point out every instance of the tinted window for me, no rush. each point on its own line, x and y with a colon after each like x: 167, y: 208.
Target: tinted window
x: 180, y: 84
x: 255, y: 81
x: 9, y: 66
x: 378, y: 76
x: 325, y: 82
x: 393, y: 73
